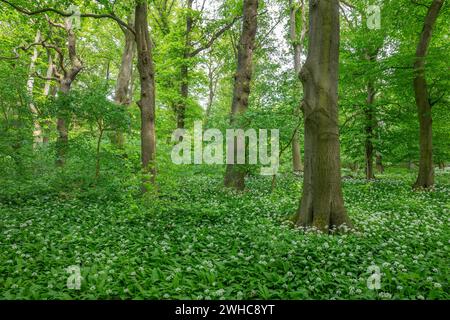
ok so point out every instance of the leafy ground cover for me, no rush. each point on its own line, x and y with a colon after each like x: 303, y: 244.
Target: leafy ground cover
x: 196, y: 240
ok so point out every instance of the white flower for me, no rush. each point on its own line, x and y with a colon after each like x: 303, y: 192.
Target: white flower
x: 220, y: 292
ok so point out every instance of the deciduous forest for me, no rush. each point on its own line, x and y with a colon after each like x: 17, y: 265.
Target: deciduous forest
x: 224, y: 149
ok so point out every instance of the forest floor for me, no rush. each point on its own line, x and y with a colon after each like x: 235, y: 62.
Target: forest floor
x: 196, y: 240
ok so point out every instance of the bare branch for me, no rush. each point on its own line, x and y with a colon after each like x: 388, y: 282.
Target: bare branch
x: 215, y: 37
x: 36, y: 74
x: 54, y: 24
x: 417, y: 3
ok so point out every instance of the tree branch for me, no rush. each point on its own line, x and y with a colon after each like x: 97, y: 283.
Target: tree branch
x: 69, y: 14
x: 214, y: 37
x: 36, y: 74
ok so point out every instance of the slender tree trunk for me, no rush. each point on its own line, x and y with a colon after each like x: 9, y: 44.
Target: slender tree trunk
x: 235, y: 174
x: 62, y: 141
x: 49, y: 90
x: 123, y: 93
x: 184, y: 93
x: 184, y: 71
x: 370, y: 120
x: 97, y: 164
x: 37, y: 130
x: 147, y: 99
x: 297, y: 43
x: 297, y: 164
x: 65, y: 83
x: 322, y: 204
x: 213, y: 80
x: 379, y: 163
x: 425, y: 178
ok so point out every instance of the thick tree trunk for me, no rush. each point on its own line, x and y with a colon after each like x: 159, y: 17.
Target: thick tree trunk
x: 235, y: 174
x: 370, y: 120
x: 297, y: 43
x: 322, y: 204
x: 123, y: 93
x: 147, y: 99
x: 37, y: 129
x: 425, y: 178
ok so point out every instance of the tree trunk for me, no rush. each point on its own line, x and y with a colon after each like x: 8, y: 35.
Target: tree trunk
x: 379, y: 163
x: 65, y: 83
x: 62, y: 140
x: 297, y: 43
x: 184, y: 71
x: 425, y: 178
x: 235, y: 174
x: 322, y: 204
x: 147, y: 99
x: 370, y: 120
x: 97, y: 155
x: 49, y: 90
x: 211, y: 92
x: 213, y: 80
x: 297, y: 165
x: 37, y: 130
x: 123, y: 93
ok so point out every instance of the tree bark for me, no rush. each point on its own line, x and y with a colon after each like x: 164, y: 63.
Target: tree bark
x: 297, y: 43
x: 147, y: 99
x: 65, y: 82
x: 370, y: 120
x: 62, y: 140
x: 425, y: 178
x: 123, y: 91
x: 97, y: 154
x: 322, y: 204
x: 184, y: 70
x: 213, y: 80
x: 49, y: 90
x: 235, y: 174
x: 379, y: 163
x: 37, y: 129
